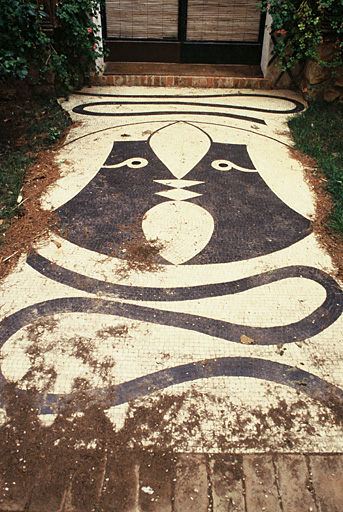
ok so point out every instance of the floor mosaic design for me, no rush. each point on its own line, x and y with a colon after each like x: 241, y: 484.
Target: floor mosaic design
x: 184, y: 268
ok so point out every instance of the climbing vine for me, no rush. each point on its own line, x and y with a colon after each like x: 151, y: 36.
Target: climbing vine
x: 301, y: 27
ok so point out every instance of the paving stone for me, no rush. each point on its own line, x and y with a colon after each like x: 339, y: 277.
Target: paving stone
x: 327, y: 475
x: 120, y: 488
x: 15, y: 491
x: 227, y: 483
x: 191, y: 484
x: 294, y: 484
x: 156, y: 483
x: 86, y: 485
x: 50, y: 491
x: 260, y: 484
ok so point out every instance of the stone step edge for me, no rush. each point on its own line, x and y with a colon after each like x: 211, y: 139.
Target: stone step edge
x: 182, y: 81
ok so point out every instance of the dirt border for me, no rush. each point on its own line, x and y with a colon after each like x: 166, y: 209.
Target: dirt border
x: 32, y: 222
x: 328, y: 239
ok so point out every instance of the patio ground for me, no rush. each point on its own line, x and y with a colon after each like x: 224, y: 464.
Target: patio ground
x: 175, y: 344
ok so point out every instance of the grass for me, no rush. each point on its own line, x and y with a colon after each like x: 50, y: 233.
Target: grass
x: 318, y: 132
x: 26, y: 128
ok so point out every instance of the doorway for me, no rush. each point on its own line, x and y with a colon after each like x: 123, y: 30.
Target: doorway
x: 184, y: 31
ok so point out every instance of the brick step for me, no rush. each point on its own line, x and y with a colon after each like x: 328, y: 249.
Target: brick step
x: 182, y: 75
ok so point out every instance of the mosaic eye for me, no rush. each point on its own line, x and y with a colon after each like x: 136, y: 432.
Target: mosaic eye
x: 132, y: 163
x: 136, y: 163
x: 222, y: 165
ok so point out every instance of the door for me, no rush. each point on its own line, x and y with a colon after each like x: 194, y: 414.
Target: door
x: 192, y: 31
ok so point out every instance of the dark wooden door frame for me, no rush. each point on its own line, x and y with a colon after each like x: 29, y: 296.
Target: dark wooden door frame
x: 183, y: 9
x: 181, y: 50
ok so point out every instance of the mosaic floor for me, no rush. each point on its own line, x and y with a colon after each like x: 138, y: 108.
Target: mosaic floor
x: 184, y: 280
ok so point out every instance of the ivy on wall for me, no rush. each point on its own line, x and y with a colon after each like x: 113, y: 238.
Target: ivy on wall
x: 68, y: 53
x: 302, y: 27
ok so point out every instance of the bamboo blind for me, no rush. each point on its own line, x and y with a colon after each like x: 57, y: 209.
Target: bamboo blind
x: 223, y: 20
x: 142, y: 19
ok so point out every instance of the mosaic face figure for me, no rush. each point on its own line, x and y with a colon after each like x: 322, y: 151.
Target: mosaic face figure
x: 203, y: 201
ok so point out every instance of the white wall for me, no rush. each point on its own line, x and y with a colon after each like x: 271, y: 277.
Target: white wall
x: 100, y: 61
x: 265, y: 57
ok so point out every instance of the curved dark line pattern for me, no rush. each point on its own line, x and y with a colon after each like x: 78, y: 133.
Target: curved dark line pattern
x: 189, y: 123
x: 298, y: 105
x: 192, y: 104
x: 167, y: 294
x: 194, y: 123
x: 80, y: 109
x: 248, y: 367
x: 226, y: 367
x: 320, y: 319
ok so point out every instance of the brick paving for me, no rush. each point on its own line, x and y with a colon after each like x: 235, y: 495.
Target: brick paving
x: 195, y: 482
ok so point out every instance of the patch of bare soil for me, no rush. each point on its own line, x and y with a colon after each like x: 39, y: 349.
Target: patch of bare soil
x: 139, y: 254
x: 47, y: 344
x: 32, y: 222
x: 71, y: 456
x: 81, y: 459
x: 328, y: 239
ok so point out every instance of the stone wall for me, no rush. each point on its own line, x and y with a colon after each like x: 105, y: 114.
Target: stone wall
x: 315, y: 81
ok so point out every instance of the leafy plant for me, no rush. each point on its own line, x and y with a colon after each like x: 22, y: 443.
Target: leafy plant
x: 22, y: 41
x: 302, y: 26
x: 69, y: 54
x: 54, y: 134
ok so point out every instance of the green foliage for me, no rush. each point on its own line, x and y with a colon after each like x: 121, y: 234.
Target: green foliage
x: 302, y: 26
x: 12, y: 173
x: 21, y: 39
x: 318, y: 132
x: 69, y: 53
x: 76, y: 43
x: 54, y: 134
